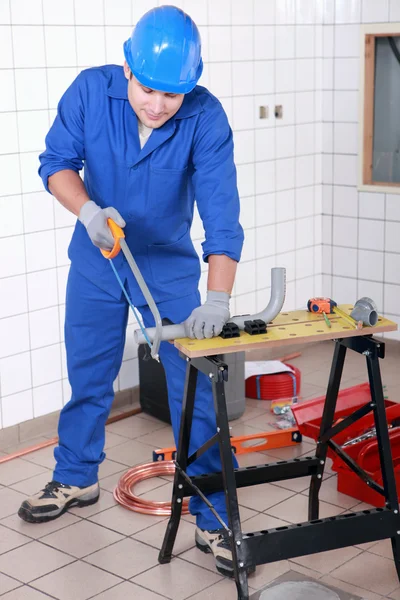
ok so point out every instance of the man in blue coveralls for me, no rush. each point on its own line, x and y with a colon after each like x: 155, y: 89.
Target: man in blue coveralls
x: 151, y: 142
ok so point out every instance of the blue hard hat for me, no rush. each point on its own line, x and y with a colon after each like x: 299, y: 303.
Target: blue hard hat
x: 164, y: 51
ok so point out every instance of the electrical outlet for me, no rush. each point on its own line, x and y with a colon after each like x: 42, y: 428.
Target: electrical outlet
x: 263, y: 112
x: 279, y: 111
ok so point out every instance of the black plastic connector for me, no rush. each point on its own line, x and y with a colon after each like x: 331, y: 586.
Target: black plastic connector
x: 230, y: 330
x: 255, y: 327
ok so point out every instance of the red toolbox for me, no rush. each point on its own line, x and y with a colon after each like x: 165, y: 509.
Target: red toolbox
x: 365, y: 453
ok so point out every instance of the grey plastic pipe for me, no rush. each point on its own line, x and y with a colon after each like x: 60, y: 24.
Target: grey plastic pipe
x: 365, y: 310
x: 278, y: 292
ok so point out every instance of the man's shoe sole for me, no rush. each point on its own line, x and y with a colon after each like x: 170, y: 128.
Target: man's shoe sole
x: 25, y: 511
x: 221, y: 568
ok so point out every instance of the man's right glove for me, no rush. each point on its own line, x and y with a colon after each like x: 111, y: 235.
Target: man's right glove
x: 95, y: 218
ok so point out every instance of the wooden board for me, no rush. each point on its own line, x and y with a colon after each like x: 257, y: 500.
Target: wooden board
x: 296, y: 327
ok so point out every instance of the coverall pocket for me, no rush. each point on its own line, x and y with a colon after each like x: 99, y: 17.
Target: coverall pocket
x: 171, y: 263
x: 168, y: 190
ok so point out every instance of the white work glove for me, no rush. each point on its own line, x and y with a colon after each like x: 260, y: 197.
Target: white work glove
x: 207, y: 321
x: 95, y: 218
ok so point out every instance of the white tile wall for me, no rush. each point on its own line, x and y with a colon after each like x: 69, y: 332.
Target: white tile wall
x: 258, y: 53
x: 364, y: 246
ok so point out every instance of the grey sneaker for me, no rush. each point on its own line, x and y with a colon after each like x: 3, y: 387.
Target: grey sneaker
x: 216, y: 541
x: 55, y: 499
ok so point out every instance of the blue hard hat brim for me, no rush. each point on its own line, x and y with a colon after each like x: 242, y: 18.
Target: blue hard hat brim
x: 183, y: 87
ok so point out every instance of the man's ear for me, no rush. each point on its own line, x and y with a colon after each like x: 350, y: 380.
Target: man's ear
x: 127, y: 71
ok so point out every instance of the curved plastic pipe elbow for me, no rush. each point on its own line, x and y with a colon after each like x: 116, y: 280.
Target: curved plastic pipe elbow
x: 278, y: 292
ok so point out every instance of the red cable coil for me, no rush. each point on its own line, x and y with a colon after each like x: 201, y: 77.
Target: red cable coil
x: 274, y: 386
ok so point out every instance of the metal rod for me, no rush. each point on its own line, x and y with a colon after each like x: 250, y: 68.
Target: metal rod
x: 354, y: 467
x: 203, y: 497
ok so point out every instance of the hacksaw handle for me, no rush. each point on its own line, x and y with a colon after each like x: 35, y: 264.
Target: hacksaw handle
x: 118, y: 233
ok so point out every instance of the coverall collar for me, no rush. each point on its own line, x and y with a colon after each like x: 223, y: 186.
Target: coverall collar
x: 118, y: 88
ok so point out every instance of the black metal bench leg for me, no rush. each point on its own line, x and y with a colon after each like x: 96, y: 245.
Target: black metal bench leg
x: 383, y: 439
x: 181, y: 458
x: 326, y: 423
x: 240, y: 564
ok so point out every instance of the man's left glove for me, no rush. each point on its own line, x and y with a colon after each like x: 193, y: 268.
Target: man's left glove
x: 207, y: 320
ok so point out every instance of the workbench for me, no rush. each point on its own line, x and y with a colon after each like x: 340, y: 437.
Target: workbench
x: 315, y: 535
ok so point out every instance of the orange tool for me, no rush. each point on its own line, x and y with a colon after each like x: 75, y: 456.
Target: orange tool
x: 328, y: 306
x: 244, y: 444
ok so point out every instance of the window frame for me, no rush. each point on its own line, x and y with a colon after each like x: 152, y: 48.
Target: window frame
x: 369, y: 33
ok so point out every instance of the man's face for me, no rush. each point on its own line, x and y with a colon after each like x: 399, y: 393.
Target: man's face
x: 152, y: 107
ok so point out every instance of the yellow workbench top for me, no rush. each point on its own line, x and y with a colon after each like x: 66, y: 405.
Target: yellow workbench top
x: 295, y: 327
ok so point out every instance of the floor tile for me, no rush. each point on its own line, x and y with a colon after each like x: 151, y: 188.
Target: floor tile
x: 309, y: 391
x: 109, y: 467
x: 17, y: 470
x: 369, y: 572
x: 131, y: 453
x: 266, y: 573
x: 248, y: 428
x: 144, y: 415
x: 253, y: 458
x: 131, y: 441
x: 8, y: 583
x: 304, y: 570
x: 128, y: 591
x: 33, y: 484
x: 10, y: 539
x: 10, y: 501
x: 295, y: 510
x: 251, y: 412
x: 326, y: 562
x: 177, y: 579
x: 154, y: 536
x: 108, y: 484
x: 133, y: 427
x: 329, y: 493
x: 77, y: 581
x: 201, y: 559
x: 125, y: 521
x: 382, y: 548
x: 105, y: 501
x: 29, y: 443
x: 300, y: 484
x: 223, y: 590
x: 351, y: 589
x: 261, y: 522
x: 290, y: 452
x: 32, y: 561
x: 125, y: 559
x: 43, y: 457
x: 38, y: 530
x: 162, y: 493
x: 147, y: 485
x: 246, y: 513
x: 395, y: 595
x: 112, y: 439
x: 70, y: 539
x: 262, y: 496
x: 264, y: 421
x: 25, y: 592
x: 162, y: 438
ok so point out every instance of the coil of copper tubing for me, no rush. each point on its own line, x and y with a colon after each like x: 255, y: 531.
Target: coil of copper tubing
x: 124, y: 495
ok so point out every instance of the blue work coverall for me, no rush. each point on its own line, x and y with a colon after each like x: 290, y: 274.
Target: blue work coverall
x: 154, y: 188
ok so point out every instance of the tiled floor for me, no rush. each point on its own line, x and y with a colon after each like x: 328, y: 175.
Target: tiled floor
x: 108, y: 553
